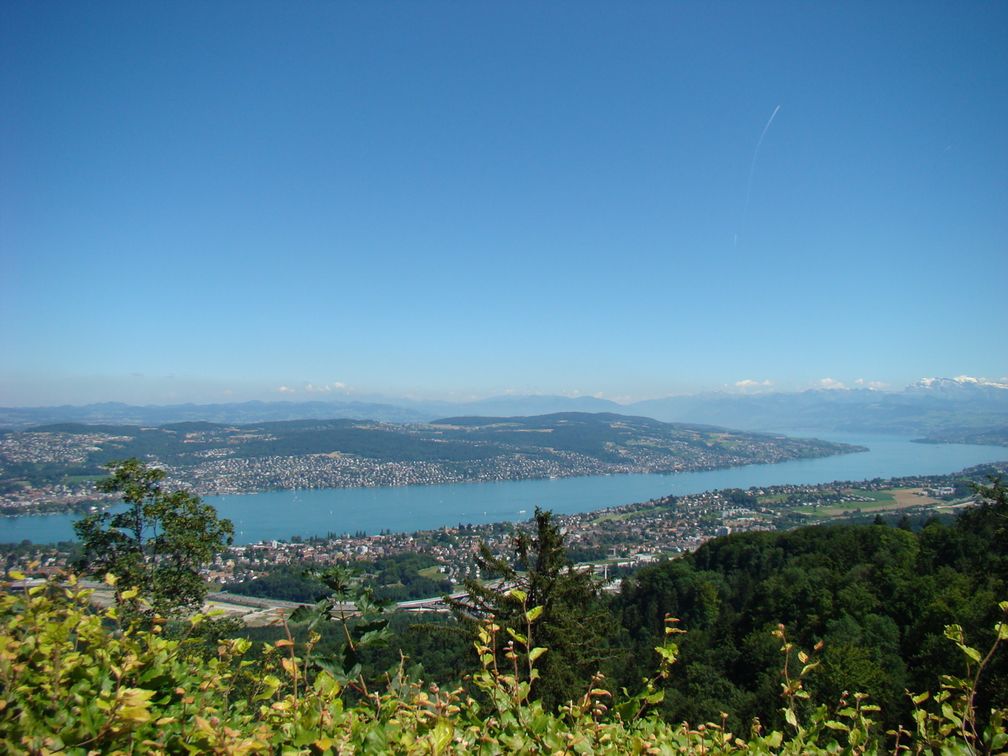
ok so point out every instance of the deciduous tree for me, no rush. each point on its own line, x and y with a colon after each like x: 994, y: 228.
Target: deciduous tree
x: 157, y: 544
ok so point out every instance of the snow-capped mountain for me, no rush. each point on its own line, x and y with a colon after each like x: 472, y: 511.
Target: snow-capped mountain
x: 962, y: 386
x: 930, y: 407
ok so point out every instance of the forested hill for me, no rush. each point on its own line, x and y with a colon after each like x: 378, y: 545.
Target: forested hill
x: 877, y: 596
x: 212, y: 457
x: 617, y: 438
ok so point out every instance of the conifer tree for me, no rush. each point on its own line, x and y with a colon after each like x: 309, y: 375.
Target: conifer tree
x: 572, y: 624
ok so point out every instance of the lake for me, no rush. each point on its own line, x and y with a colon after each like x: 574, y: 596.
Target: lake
x: 282, y: 514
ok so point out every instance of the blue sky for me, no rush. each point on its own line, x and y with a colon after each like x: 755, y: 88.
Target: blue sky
x: 211, y: 201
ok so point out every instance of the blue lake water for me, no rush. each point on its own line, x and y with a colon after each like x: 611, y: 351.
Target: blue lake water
x: 282, y: 514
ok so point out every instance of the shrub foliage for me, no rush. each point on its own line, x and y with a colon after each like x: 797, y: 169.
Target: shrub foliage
x: 76, y: 679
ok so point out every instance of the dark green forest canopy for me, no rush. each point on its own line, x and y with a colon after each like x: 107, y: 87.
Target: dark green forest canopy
x: 878, y: 597
x: 397, y: 577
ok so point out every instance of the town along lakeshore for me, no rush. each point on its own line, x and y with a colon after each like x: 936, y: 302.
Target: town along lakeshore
x: 283, y: 514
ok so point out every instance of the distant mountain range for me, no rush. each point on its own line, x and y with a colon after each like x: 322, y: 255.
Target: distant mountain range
x: 393, y: 411
x: 116, y: 413
x: 932, y: 407
x: 935, y: 408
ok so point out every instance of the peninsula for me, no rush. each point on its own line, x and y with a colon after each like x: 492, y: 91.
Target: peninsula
x: 53, y: 468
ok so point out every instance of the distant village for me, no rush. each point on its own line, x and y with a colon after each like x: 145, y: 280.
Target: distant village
x: 44, y: 471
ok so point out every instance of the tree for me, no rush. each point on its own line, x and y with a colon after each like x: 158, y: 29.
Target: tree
x: 157, y: 544
x: 572, y: 617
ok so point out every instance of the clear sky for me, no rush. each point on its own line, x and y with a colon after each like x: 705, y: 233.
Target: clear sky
x: 211, y: 201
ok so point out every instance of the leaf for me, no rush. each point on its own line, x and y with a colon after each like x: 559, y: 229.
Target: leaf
x: 136, y: 696
x: 375, y: 637
x: 971, y: 652
x: 135, y: 703
x: 533, y: 614
x: 667, y: 653
x: 535, y: 653
x: 950, y: 715
x: 518, y: 637
x: 855, y: 738
x: 518, y: 595
x: 442, y: 735
x: 326, y: 683
x: 136, y: 714
x: 808, y: 668
x: 789, y: 715
x: 955, y: 633
x: 203, y: 725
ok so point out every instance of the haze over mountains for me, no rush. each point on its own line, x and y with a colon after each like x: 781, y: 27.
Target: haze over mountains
x: 961, y: 409
x: 933, y: 407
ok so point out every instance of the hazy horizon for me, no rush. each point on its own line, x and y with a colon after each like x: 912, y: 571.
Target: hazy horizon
x: 311, y: 393
x: 208, y: 203
x: 142, y: 390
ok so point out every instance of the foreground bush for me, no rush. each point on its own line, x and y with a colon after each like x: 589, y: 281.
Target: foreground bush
x: 76, y: 680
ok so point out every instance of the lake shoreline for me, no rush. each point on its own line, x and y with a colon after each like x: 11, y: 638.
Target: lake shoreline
x: 30, y: 511
x: 281, y: 514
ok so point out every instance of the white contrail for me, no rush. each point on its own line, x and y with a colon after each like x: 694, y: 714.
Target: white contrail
x: 752, y: 170
x: 765, y: 129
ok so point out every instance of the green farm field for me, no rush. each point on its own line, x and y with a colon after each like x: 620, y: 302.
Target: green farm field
x: 880, y: 501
